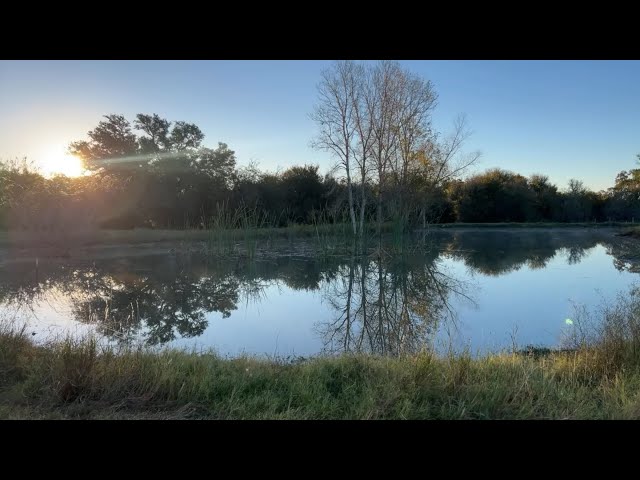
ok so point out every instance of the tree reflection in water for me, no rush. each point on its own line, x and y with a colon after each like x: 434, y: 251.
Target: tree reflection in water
x: 123, y: 305
x: 387, y: 305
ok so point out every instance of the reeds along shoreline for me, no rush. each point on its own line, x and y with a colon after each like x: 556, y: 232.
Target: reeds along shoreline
x: 246, y: 224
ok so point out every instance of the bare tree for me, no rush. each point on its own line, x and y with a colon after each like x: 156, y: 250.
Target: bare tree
x: 383, y: 117
x: 439, y: 161
x: 335, y: 115
x: 416, y: 101
x: 445, y: 160
x: 376, y: 121
x: 388, y: 308
x: 364, y: 128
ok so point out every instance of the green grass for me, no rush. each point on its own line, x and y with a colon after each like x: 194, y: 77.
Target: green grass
x: 80, y: 381
x: 597, y: 376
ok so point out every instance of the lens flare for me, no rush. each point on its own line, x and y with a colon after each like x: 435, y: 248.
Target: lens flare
x: 56, y: 161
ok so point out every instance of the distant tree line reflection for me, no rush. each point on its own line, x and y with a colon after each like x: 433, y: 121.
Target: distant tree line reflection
x: 384, y: 304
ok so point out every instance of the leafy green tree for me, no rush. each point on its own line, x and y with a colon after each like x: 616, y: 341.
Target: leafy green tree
x: 623, y: 199
x: 303, y: 191
x: 496, y: 196
x: 164, y: 176
x: 547, y: 200
x: 578, y: 204
x: 156, y: 129
x: 110, y: 141
x: 218, y: 164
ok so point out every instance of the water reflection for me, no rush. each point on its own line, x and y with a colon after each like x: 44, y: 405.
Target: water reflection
x: 159, y: 298
x: 383, y: 304
x: 498, y: 252
x: 164, y: 302
x: 390, y: 305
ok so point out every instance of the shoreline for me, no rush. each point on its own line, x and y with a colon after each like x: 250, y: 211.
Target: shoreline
x: 115, y: 243
x: 78, y: 380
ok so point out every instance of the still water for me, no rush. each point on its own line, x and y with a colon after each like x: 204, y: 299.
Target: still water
x: 483, y: 290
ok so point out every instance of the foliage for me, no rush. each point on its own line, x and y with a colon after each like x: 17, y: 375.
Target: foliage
x: 158, y: 174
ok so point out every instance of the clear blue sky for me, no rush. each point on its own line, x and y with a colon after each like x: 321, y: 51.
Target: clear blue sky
x: 563, y: 118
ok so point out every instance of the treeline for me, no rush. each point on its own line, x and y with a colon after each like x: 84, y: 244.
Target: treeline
x: 502, y: 196
x: 162, y: 196
x: 390, y: 165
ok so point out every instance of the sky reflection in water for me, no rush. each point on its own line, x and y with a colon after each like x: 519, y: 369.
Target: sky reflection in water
x: 477, y: 289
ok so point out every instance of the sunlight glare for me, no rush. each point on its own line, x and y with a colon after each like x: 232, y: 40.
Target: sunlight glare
x: 56, y: 161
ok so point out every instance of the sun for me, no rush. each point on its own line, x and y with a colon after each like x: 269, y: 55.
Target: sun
x: 56, y: 161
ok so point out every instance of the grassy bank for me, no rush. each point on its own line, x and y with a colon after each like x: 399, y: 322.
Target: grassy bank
x: 147, y: 235
x: 77, y: 381
x: 534, y: 225
x: 598, y: 377
x: 19, y: 239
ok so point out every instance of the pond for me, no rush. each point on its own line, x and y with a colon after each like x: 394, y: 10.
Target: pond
x: 484, y: 290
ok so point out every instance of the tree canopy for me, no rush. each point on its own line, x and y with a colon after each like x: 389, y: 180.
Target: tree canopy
x: 160, y: 174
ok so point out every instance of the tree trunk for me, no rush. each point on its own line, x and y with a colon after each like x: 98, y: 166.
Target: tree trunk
x: 352, y: 212
x: 379, y: 208
x: 362, y: 205
x: 380, y: 302
x: 347, y: 341
x: 363, y: 295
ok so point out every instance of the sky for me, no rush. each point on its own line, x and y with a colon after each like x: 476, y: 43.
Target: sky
x: 565, y: 119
